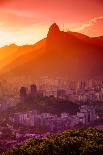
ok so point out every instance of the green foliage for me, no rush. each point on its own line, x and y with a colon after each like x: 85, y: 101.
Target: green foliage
x: 70, y: 142
x: 47, y: 104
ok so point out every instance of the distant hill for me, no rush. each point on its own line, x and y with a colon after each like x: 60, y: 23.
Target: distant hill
x: 62, y: 54
x: 7, y: 53
x: 16, y: 57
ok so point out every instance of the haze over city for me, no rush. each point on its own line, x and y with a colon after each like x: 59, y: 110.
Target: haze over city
x: 51, y: 77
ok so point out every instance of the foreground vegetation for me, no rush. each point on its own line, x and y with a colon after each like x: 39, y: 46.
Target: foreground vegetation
x: 70, y: 142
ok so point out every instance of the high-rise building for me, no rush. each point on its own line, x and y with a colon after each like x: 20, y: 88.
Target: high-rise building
x: 33, y: 90
x: 4, y: 105
x: 23, y: 92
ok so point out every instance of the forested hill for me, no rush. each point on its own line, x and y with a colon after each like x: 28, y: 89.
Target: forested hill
x: 70, y: 142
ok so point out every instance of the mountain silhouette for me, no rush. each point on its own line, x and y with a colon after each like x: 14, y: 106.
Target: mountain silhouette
x: 62, y: 54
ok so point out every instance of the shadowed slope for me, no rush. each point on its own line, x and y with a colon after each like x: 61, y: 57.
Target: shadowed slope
x: 67, y: 54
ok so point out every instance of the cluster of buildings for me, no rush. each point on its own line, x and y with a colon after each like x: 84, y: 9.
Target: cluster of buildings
x: 75, y: 91
x: 23, y: 125
x: 52, y: 122
x: 82, y: 90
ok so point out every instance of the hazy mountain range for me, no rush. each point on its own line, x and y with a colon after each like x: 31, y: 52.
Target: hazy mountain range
x: 62, y: 54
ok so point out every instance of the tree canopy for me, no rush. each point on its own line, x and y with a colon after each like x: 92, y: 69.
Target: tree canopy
x: 70, y: 142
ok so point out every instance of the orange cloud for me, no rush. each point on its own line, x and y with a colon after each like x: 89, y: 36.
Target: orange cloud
x: 86, y: 27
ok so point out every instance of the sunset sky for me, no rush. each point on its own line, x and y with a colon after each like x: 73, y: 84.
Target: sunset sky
x: 27, y: 21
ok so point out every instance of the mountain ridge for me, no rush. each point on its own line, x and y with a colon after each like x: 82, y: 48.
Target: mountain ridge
x: 67, y: 54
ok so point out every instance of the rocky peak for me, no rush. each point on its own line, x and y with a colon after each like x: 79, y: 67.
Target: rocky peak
x: 53, y: 30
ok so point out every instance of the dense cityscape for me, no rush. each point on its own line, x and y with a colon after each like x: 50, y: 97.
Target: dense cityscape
x: 21, y: 118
